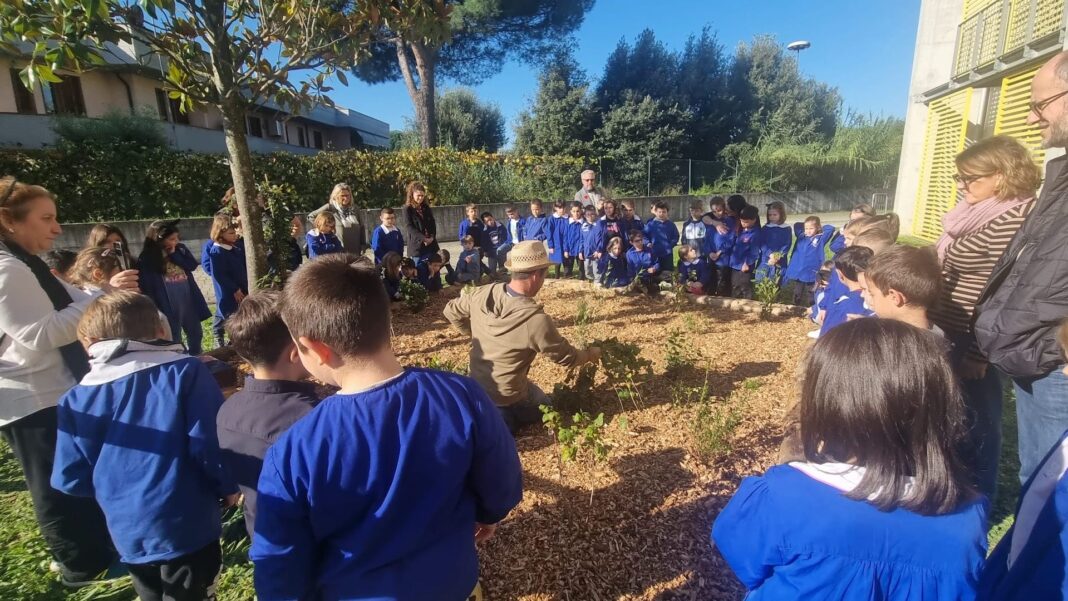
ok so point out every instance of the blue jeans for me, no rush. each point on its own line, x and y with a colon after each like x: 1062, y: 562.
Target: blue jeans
x: 1042, y: 416
x: 502, y: 254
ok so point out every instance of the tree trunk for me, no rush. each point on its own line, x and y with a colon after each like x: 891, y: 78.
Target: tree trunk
x: 245, y: 191
x: 422, y: 92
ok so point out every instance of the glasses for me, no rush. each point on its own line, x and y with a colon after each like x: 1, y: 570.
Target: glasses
x: 1039, y: 106
x: 967, y: 180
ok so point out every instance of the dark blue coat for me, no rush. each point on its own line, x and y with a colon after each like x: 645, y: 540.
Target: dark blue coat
x: 697, y: 272
x: 746, y: 249
x: 721, y: 243
x: 472, y: 228
x: 322, y: 244
x: 614, y: 271
x: 603, y: 231
x: 774, y: 239
x: 429, y: 282
x: 229, y: 275
x: 639, y: 262
x: 152, y: 286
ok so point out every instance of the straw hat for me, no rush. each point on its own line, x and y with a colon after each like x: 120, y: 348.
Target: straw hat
x: 527, y: 256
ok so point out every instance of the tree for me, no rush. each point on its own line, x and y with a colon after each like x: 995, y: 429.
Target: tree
x: 703, y: 86
x: 465, y: 123
x: 640, y: 130
x: 484, y: 35
x: 229, y: 54
x: 563, y: 118
x: 647, y: 69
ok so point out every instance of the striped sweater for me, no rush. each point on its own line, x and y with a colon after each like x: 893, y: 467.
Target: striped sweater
x: 966, y: 269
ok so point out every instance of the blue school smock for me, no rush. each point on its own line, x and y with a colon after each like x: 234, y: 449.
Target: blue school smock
x: 537, y: 228
x: 632, y: 225
x: 557, y: 232
x: 808, y: 253
x: 664, y: 236
x: 604, y: 230
x: 775, y: 238
x: 385, y: 241
x: 322, y: 244
x: 573, y: 237
x: 639, y: 262
x: 838, y: 311
x: 138, y: 435
x: 721, y: 243
x: 205, y: 263
x: 493, y: 238
x: 1040, y: 561
x: 392, y: 287
x: 613, y: 271
x: 697, y: 272
x: 835, y: 290
x: 746, y: 249
x: 838, y: 243
x: 422, y: 270
x: 515, y: 228
x: 153, y: 286
x: 376, y: 494
x: 469, y: 271
x: 229, y: 275
x: 589, y: 243
x: 788, y: 535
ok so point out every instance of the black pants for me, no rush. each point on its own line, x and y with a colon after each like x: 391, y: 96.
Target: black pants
x: 742, y: 284
x: 581, y: 265
x: 72, y: 527
x: 569, y: 266
x: 187, y: 578
x: 721, y: 280
x: 802, y: 292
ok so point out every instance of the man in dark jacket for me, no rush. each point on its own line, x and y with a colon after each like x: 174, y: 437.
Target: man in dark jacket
x: 1027, y: 296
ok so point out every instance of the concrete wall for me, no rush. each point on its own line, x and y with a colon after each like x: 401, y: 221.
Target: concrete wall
x: 932, y: 66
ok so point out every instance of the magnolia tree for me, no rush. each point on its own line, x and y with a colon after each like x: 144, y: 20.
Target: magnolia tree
x: 229, y: 54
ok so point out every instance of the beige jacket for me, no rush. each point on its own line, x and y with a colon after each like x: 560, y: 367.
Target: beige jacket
x: 507, y: 332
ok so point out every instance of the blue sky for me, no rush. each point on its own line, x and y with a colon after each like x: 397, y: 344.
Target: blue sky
x: 864, y: 47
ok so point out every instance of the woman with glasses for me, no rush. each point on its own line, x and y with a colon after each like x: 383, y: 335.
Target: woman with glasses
x: 347, y: 224
x: 40, y: 359
x: 997, y: 179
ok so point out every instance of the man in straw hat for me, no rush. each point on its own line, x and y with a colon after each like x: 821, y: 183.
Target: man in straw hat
x: 508, y: 328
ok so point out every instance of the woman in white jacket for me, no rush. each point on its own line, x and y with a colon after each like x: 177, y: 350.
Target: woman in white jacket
x: 40, y: 359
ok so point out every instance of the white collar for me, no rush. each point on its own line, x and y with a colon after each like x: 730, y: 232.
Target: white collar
x: 110, y: 360
x: 782, y: 225
x: 843, y: 476
x: 571, y: 220
x: 387, y: 229
x: 224, y: 246
x: 694, y: 262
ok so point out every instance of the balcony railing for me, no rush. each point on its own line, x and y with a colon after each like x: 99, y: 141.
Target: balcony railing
x: 1004, y: 31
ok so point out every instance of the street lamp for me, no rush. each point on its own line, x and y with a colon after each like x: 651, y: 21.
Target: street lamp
x: 796, y: 48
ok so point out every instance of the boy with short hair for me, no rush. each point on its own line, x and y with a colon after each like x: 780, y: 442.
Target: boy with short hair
x: 903, y: 283
x: 629, y: 221
x: 811, y: 241
x: 572, y: 241
x: 642, y: 266
x: 138, y: 434
x: 273, y: 398
x: 536, y: 226
x: 718, y: 243
x: 745, y: 254
x: 494, y: 237
x: 849, y: 264
x: 429, y: 272
x: 662, y: 233
x: 387, y: 237
x: 471, y: 225
x: 468, y: 265
x: 555, y: 242
x: 694, y: 229
x: 588, y: 245
x: 384, y: 488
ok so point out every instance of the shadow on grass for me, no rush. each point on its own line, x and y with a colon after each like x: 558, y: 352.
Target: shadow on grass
x: 1001, y: 514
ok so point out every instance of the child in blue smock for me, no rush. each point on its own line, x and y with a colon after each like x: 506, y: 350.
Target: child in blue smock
x: 468, y: 265
x: 663, y: 235
x: 694, y: 273
x: 775, y: 242
x: 572, y: 241
x: 881, y: 507
x: 745, y: 254
x: 555, y: 241
x: 849, y: 264
x: 809, y: 254
x: 613, y: 265
x: 536, y: 225
x: 719, y: 240
x: 642, y: 266
x: 385, y: 489
x: 321, y: 239
x: 387, y: 237
x: 230, y: 277
x: 589, y: 244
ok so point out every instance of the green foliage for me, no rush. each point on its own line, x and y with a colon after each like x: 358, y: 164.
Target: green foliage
x: 752, y: 384
x: 277, y: 232
x: 576, y: 390
x: 636, y: 131
x: 141, y: 129
x: 766, y: 292
x: 624, y: 368
x: 585, y: 434
x: 456, y: 367
x: 678, y: 354
x: 584, y: 316
x: 466, y: 123
x: 413, y: 295
x: 562, y: 119
x: 714, y: 427
x: 683, y: 394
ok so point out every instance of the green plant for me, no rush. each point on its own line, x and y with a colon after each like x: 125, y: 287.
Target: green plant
x: 142, y: 128
x: 440, y: 364
x: 677, y: 353
x: 577, y: 388
x: 585, y: 434
x: 767, y: 294
x: 682, y: 394
x: 277, y: 232
x: 584, y: 316
x: 624, y: 368
x: 752, y: 384
x: 714, y: 427
x: 413, y: 294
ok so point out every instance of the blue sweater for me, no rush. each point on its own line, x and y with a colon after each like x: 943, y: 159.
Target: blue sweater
x: 589, y: 244
x: 721, y: 243
x: 514, y: 228
x: 664, y: 235
x: 614, y: 271
x: 788, y: 535
x: 774, y: 238
x: 383, y: 242
x: 639, y: 262
x: 557, y: 232
x: 468, y: 271
x: 229, y: 275
x: 138, y: 434
x: 474, y: 228
x: 746, y: 249
x: 205, y: 250
x: 808, y: 253
x: 603, y: 231
x: 322, y: 244
x: 573, y: 237
x: 1038, y: 571
x: 375, y: 495
x: 697, y: 272
x: 537, y: 228
x: 493, y: 237
x: 838, y: 310
x: 838, y: 243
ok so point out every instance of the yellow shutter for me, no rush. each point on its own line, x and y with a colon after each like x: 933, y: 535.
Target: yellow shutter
x: 1049, y: 14
x: 973, y: 6
x: 1013, y: 107
x: 947, y: 126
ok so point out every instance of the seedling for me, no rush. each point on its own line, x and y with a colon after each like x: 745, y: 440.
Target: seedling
x: 585, y: 434
x: 767, y: 294
x: 678, y: 355
x: 413, y: 294
x: 624, y: 368
x: 714, y: 428
x: 682, y: 394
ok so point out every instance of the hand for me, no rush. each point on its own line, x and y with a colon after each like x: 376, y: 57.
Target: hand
x: 819, y: 318
x: 745, y: 268
x: 581, y: 257
x: 597, y: 255
x: 468, y: 259
x: 773, y: 261
x: 593, y: 354
x: 651, y: 270
x: 124, y: 280
x: 239, y: 296
x: 973, y: 369
x: 550, y: 251
x: 427, y: 240
x: 567, y: 255
x: 722, y: 229
x: 232, y: 500
x: 484, y: 532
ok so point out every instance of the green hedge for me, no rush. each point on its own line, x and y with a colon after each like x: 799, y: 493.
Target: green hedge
x: 101, y: 182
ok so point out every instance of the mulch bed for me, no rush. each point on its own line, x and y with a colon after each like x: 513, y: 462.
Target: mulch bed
x: 637, y: 525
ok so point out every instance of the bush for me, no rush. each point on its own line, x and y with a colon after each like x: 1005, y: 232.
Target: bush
x: 142, y: 128
x: 101, y: 181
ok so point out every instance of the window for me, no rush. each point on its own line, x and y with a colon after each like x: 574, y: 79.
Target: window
x: 176, y: 112
x: 163, y: 105
x: 170, y: 109
x: 24, y: 102
x: 317, y: 136
x: 65, y: 97
x: 255, y: 126
x: 302, y: 136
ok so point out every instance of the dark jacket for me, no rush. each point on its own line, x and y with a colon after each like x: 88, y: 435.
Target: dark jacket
x: 416, y: 227
x: 1027, y: 296
x: 153, y: 286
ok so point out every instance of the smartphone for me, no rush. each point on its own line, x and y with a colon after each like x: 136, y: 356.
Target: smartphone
x: 121, y: 251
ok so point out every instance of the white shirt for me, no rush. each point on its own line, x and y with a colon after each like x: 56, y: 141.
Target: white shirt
x: 32, y: 373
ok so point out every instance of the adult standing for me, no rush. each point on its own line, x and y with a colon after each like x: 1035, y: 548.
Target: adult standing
x: 508, y: 329
x: 347, y: 223
x: 1021, y: 307
x: 997, y: 179
x: 420, y: 229
x: 590, y: 193
x: 40, y: 359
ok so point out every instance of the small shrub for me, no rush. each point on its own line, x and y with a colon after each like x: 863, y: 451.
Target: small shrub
x: 682, y: 395
x: 413, y: 294
x: 142, y: 128
x: 624, y: 368
x: 714, y: 428
x: 584, y: 316
x: 572, y: 394
x: 767, y: 294
x: 584, y: 436
x: 677, y: 355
